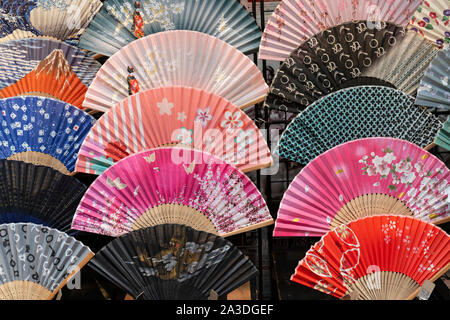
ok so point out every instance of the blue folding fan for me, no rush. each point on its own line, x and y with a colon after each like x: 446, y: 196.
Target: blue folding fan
x: 42, y: 131
x: 434, y: 90
x: 38, y: 194
x: 443, y: 137
x: 120, y: 22
x: 356, y: 113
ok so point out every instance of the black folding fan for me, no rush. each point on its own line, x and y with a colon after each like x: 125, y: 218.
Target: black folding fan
x: 38, y: 194
x: 173, y: 262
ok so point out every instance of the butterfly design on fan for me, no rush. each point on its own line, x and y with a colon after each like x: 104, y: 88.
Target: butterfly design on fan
x: 116, y: 183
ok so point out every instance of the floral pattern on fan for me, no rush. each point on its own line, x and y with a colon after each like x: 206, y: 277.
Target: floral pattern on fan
x: 402, y: 173
x: 199, y: 181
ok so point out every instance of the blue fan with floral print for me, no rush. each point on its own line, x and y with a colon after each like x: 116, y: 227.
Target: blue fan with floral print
x: 120, y: 22
x: 42, y: 131
x: 434, y: 90
x: 58, y: 19
x: 356, y: 113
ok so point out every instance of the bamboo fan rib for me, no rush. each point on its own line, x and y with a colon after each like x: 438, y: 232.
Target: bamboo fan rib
x: 356, y: 113
x: 50, y: 260
x: 366, y: 177
x: 174, y: 116
x: 177, y: 58
x: 381, y: 257
x: 171, y: 185
x: 199, y: 262
x: 295, y: 21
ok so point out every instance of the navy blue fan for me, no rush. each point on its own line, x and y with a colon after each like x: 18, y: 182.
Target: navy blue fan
x: 38, y: 194
x: 42, y: 131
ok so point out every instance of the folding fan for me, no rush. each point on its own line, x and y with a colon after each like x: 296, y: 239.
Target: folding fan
x: 173, y: 262
x: 355, y: 113
x: 174, y: 116
x: 361, y: 178
x: 42, y: 131
x: 382, y: 257
x: 177, y: 58
x: 38, y: 194
x: 62, y: 19
x: 120, y: 22
x: 172, y: 185
x: 334, y: 59
x: 443, y: 137
x: 404, y: 66
x: 434, y: 90
x: 295, y: 21
x: 46, y: 68
x: 432, y: 20
x: 36, y: 261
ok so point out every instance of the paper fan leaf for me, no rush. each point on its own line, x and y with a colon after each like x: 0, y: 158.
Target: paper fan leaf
x: 443, y: 137
x: 347, y: 235
x: 317, y: 265
x: 295, y: 21
x: 431, y: 20
x: 180, y: 186
x: 62, y: 20
x: 46, y: 68
x: 419, y: 252
x: 172, y: 261
x: 42, y: 195
x: 355, y: 113
x: 333, y: 59
x: 42, y: 131
x: 198, y: 119
x: 349, y: 260
x: 434, y: 88
x: 381, y: 176
x: 37, y: 261
x: 177, y: 58
x: 120, y: 24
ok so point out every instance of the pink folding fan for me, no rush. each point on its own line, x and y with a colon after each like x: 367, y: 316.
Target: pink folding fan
x: 363, y: 178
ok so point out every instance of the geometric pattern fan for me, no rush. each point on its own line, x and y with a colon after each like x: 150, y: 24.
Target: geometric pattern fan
x: 173, y: 262
x: 120, y: 22
x: 404, y: 66
x: 62, y: 20
x: 174, y: 116
x: 356, y: 113
x: 177, y: 58
x: 38, y: 194
x: 376, y: 258
x: 44, y: 67
x: 432, y: 21
x: 172, y: 185
x: 37, y: 261
x: 42, y: 131
x: 443, y: 137
x: 295, y: 21
x: 333, y: 59
x: 434, y: 88
x: 366, y: 177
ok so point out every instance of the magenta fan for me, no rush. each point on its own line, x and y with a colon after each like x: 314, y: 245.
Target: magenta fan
x: 364, y: 178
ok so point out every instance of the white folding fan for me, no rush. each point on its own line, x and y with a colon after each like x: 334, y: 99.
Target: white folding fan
x: 177, y: 58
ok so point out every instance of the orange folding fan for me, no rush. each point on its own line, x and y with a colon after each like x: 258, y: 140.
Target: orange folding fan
x: 381, y: 257
x: 174, y: 116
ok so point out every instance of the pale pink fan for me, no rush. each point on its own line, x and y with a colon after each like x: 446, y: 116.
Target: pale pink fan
x: 295, y: 21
